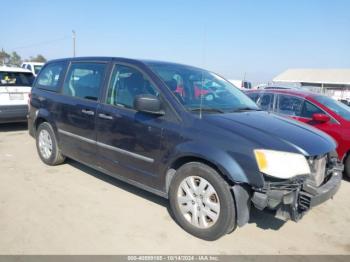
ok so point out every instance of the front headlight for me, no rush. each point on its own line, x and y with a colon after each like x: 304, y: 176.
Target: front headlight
x: 281, y: 164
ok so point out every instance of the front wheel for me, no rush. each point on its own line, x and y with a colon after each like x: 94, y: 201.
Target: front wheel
x: 201, y: 201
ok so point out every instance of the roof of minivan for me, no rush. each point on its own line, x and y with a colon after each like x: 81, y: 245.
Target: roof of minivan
x: 124, y: 59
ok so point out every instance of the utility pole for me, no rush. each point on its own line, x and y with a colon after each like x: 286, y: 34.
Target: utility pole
x: 74, y: 37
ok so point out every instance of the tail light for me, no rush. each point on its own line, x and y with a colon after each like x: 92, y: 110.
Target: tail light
x: 29, y: 99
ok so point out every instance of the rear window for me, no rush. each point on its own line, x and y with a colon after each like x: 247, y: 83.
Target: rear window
x: 16, y: 79
x: 37, y: 68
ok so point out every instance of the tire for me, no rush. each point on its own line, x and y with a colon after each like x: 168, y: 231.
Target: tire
x: 51, y: 157
x: 224, y: 215
x: 347, y: 167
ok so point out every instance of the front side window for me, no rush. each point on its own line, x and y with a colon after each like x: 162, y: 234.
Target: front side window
x: 198, y: 89
x: 84, y: 80
x: 334, y: 105
x: 309, y: 110
x: 127, y: 83
x: 50, y: 76
x: 289, y: 105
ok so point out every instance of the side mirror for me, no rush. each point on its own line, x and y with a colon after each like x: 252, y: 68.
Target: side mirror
x: 148, y: 104
x: 321, y: 118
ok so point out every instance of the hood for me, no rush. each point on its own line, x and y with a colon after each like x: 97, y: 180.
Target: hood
x: 270, y: 131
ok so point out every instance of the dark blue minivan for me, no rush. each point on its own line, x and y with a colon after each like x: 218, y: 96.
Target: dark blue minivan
x: 185, y: 134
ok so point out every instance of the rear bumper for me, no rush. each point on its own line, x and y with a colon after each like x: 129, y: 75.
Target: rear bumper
x: 16, y: 113
x: 292, y: 199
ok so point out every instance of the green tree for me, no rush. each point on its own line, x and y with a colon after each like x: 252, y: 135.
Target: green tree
x: 4, y: 57
x: 38, y: 58
x: 15, y: 59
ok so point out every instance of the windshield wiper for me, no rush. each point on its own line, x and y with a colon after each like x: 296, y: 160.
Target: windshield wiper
x: 207, y: 109
x: 242, y: 109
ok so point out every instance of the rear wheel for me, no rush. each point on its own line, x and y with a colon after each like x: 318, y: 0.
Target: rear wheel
x: 47, y: 146
x: 201, y: 201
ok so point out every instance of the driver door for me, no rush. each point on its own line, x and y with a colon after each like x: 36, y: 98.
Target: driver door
x: 129, y: 141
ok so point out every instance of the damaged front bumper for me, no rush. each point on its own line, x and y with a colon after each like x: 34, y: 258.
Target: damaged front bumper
x: 291, y: 199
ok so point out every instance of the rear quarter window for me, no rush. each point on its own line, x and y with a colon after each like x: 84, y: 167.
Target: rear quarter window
x: 51, y: 76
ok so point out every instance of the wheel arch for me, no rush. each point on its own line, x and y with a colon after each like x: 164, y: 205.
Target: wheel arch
x: 178, y: 162
x: 41, y: 116
x: 219, y: 160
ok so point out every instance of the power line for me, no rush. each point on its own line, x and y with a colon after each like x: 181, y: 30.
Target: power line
x: 42, y: 43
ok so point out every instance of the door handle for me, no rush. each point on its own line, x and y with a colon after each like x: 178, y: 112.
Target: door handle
x: 88, y: 112
x: 103, y: 116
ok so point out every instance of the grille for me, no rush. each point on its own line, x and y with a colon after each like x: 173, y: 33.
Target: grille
x: 318, y: 170
x: 304, y: 201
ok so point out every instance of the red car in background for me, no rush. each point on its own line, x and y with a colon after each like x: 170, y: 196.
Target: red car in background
x: 322, y: 112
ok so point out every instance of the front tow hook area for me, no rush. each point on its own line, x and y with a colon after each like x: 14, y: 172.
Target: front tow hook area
x: 292, y: 199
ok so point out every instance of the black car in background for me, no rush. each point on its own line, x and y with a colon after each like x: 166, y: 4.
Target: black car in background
x: 185, y: 134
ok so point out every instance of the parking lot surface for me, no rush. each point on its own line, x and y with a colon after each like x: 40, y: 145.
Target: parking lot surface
x: 72, y: 209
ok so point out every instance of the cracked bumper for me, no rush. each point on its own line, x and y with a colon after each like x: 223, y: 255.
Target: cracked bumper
x: 292, y: 199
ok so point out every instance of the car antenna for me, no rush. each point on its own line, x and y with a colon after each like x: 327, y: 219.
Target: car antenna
x: 201, y: 96
x: 204, y: 62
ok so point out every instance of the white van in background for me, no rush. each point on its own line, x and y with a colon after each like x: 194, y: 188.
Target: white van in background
x: 33, y: 67
x: 241, y: 84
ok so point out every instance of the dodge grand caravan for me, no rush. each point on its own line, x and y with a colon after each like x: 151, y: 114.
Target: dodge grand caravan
x: 213, y: 155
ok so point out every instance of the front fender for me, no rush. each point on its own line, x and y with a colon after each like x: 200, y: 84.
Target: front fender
x: 225, y: 162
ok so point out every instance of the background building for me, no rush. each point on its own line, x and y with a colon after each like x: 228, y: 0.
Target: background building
x: 333, y: 82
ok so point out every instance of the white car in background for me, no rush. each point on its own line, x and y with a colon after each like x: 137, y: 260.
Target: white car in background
x: 33, y: 67
x: 15, y: 86
x: 241, y: 84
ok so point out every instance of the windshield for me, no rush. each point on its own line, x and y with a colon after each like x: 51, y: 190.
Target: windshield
x: 200, y: 89
x: 37, y: 68
x: 16, y: 79
x: 334, y: 105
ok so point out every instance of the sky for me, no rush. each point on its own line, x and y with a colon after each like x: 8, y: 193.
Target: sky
x: 248, y: 38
